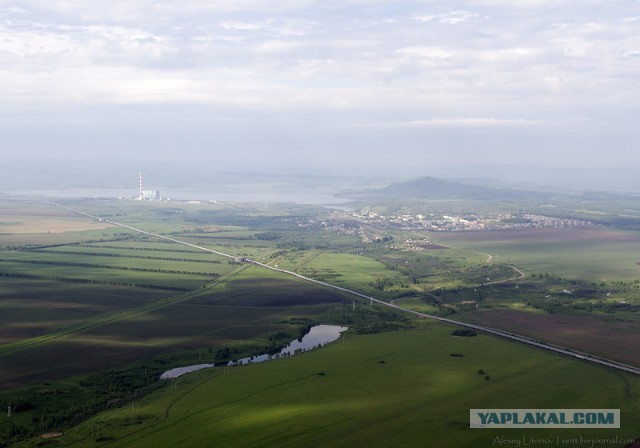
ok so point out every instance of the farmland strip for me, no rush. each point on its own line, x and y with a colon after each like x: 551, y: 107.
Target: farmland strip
x: 109, y: 254
x: 90, y: 281
x: 105, y: 246
x: 107, y: 318
x: 104, y: 266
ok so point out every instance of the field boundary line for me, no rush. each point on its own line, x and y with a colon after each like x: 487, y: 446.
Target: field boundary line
x: 488, y: 330
x: 63, y: 333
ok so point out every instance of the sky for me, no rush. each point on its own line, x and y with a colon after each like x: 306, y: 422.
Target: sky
x: 355, y: 86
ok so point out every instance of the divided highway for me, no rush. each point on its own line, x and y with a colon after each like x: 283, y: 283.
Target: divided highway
x: 495, y: 332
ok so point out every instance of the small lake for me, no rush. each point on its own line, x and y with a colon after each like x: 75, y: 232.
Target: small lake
x: 317, y: 337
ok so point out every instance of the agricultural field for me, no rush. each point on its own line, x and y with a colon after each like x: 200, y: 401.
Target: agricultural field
x: 29, y: 308
x: 593, y: 253
x: 90, y: 317
x: 361, y: 273
x: 31, y: 217
x: 81, y: 302
x: 208, y: 320
x: 612, y: 338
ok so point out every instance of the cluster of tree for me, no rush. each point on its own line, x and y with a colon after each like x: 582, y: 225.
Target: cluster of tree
x: 322, y: 274
x: 224, y: 354
x: 269, y: 236
x: 382, y: 282
x: 605, y: 306
x: 10, y: 432
x: 293, y: 245
x: 304, y: 330
x: 55, y: 408
x: 370, y: 320
x: 130, y: 383
x: 466, y: 332
x: 549, y: 278
x: 277, y: 254
x: 555, y: 305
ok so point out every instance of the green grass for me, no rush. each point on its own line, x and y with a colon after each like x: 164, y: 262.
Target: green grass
x: 105, y: 275
x: 395, y: 389
x: 171, y: 262
x: 357, y: 272
x: 593, y: 254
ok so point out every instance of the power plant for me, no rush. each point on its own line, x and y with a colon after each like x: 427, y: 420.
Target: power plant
x: 147, y: 195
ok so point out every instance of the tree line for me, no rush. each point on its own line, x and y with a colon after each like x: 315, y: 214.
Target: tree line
x: 100, y: 266
x: 92, y: 281
x: 109, y: 254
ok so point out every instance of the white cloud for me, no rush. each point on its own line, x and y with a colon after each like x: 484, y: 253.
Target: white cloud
x: 354, y: 61
x: 243, y: 26
x: 427, y: 52
x: 460, y: 123
x: 449, y: 18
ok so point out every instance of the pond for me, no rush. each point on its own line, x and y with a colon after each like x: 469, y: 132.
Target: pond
x: 317, y: 337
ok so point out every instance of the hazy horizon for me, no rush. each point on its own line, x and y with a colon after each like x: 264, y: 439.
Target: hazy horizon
x: 362, y: 88
x: 116, y: 178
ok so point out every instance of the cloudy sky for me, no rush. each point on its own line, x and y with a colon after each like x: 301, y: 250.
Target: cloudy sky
x: 377, y: 84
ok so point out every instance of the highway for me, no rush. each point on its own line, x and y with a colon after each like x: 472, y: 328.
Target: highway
x: 500, y: 333
x: 492, y: 331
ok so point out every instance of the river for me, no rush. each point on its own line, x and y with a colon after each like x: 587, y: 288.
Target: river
x: 317, y: 337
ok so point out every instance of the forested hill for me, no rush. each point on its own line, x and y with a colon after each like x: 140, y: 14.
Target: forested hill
x: 433, y: 188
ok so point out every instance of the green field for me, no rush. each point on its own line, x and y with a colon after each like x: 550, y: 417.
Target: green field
x: 356, y: 271
x: 593, y: 253
x: 90, y: 315
x: 395, y: 389
x: 143, y: 261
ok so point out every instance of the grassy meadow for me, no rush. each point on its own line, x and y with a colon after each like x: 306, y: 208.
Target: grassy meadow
x: 591, y: 253
x: 395, y: 389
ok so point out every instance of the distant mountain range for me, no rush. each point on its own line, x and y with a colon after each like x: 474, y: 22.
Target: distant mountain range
x: 486, y: 182
x: 431, y: 188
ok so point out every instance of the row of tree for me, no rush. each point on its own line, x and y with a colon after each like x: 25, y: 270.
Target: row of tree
x: 101, y: 266
x: 91, y: 281
x: 111, y: 254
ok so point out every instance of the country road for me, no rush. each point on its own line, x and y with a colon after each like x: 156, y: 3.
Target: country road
x: 488, y: 330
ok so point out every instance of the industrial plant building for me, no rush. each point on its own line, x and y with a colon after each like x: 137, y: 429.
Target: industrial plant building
x: 147, y: 195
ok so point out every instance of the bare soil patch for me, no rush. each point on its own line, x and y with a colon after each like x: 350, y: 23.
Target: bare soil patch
x: 46, y: 224
x: 50, y: 435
